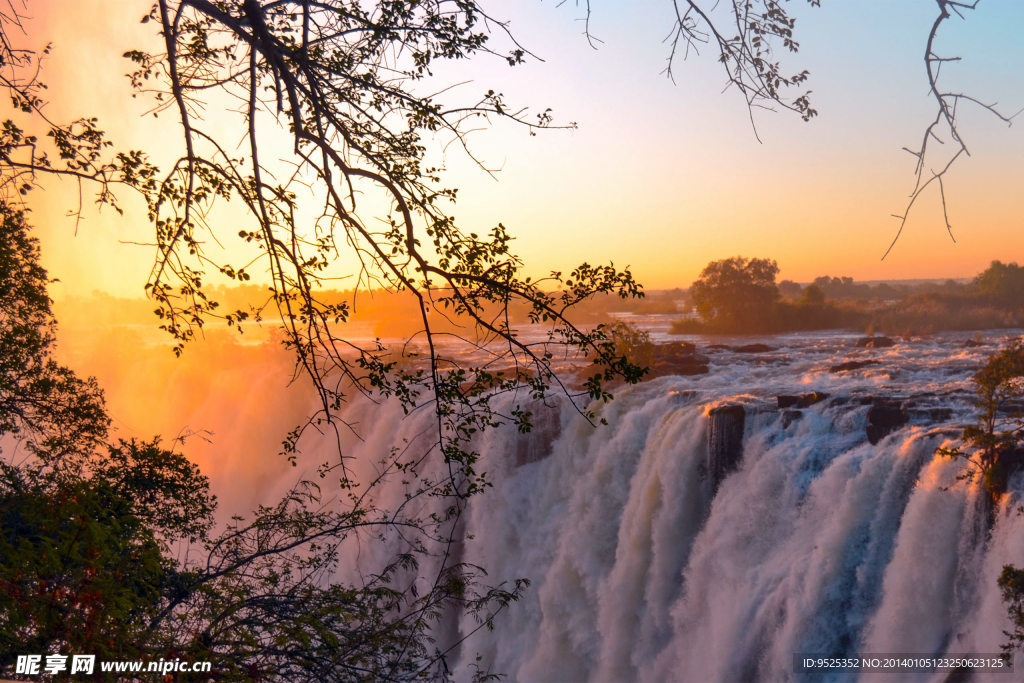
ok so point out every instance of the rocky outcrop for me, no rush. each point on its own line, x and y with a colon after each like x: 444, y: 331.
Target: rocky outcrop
x: 852, y: 365
x: 725, y: 441
x: 1008, y: 462
x: 790, y: 416
x: 875, y: 343
x: 743, y: 348
x: 787, y: 400
x: 928, y: 414
x: 753, y: 348
x: 883, y: 418
x: 679, y: 358
x: 885, y: 414
x: 801, y: 401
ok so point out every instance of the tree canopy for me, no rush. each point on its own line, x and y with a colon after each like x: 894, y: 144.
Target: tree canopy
x: 1001, y: 284
x: 42, y: 402
x: 737, y: 294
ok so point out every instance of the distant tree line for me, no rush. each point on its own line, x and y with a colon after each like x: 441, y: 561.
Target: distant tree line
x: 846, y: 288
x: 740, y: 296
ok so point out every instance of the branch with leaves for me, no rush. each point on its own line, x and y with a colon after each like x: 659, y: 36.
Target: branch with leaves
x: 992, y: 447
x: 341, y: 80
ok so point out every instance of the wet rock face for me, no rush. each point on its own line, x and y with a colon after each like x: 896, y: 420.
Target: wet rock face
x: 928, y: 414
x: 753, y: 348
x: 790, y: 416
x: 744, y: 348
x: 725, y: 441
x: 852, y: 365
x: 677, y: 359
x: 536, y: 444
x: 883, y: 418
x: 875, y: 343
x: 801, y: 401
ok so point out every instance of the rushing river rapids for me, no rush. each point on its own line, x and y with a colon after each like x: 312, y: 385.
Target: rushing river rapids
x: 706, y: 534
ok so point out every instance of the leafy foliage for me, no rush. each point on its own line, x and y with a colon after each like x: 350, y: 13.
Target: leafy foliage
x: 41, y: 401
x: 112, y: 550
x: 991, y: 300
x: 1001, y: 284
x: 812, y: 296
x: 83, y: 537
x: 990, y: 445
x: 86, y: 555
x: 631, y: 343
x: 737, y: 294
x: 342, y: 81
x: 77, y: 149
x: 747, y: 48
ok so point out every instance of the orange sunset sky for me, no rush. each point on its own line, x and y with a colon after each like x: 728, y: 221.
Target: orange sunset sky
x: 661, y: 176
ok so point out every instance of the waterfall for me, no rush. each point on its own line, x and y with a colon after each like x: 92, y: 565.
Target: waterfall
x: 653, y: 559
x: 713, y: 528
x: 786, y: 501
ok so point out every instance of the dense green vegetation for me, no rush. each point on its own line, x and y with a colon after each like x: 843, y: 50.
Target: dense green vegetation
x: 736, y: 294
x: 740, y: 296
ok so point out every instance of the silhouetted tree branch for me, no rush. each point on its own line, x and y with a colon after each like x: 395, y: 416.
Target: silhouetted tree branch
x: 945, y: 126
x: 338, y: 78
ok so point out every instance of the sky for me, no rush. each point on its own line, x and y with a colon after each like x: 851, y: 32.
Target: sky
x: 661, y: 176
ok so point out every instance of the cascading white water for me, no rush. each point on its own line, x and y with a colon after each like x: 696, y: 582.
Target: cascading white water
x: 816, y: 542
